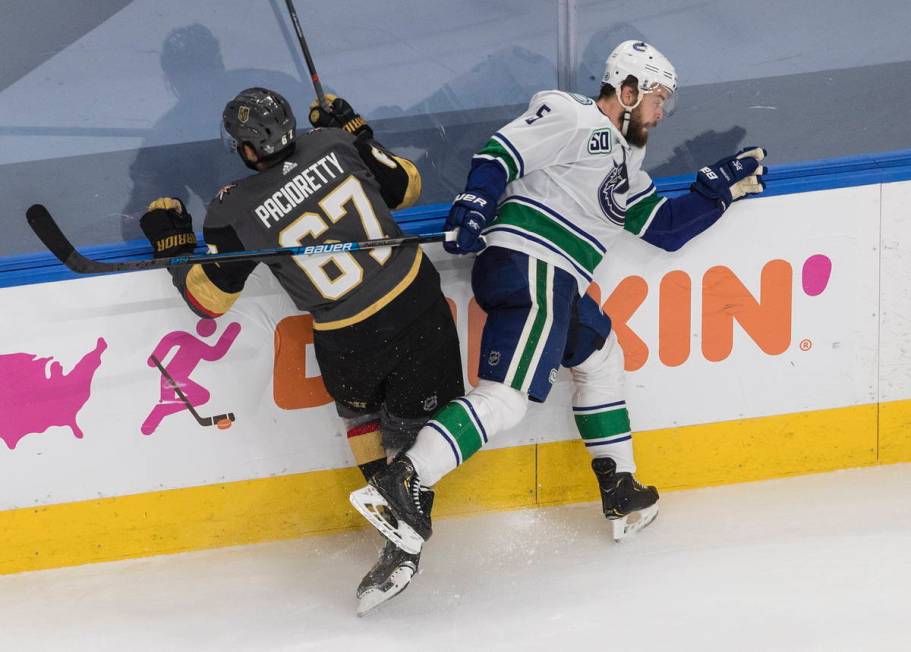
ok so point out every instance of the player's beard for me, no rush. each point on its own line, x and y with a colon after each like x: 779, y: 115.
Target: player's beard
x: 637, y: 132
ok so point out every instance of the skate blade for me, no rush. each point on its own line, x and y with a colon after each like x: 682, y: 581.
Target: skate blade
x: 368, y: 502
x: 632, y: 523
x: 378, y: 595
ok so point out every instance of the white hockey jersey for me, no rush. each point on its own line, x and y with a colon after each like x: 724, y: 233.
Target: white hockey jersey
x: 573, y: 184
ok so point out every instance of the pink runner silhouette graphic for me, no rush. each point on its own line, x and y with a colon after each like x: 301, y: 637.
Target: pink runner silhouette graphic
x: 189, y: 351
x: 35, y: 396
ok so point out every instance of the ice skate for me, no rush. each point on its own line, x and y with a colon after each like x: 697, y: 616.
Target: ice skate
x: 392, y: 572
x: 628, y: 505
x: 389, y: 576
x: 391, y: 502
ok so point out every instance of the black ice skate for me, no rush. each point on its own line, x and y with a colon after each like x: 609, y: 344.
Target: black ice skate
x: 392, y: 572
x: 389, y: 576
x: 628, y: 505
x: 391, y: 502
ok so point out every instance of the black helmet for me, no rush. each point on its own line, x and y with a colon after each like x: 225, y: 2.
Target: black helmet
x: 261, y: 118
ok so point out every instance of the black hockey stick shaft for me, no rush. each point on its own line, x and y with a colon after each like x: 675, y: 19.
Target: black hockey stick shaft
x: 317, y: 86
x: 47, y: 230
x: 203, y: 421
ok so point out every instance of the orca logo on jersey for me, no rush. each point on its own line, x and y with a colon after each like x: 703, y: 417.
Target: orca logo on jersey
x: 612, y: 189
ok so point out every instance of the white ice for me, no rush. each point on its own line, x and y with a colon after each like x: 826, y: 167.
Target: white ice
x: 811, y: 563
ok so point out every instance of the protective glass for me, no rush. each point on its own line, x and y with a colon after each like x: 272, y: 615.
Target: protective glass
x: 227, y: 140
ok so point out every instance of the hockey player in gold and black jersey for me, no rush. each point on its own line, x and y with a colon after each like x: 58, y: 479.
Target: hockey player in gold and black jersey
x: 383, y: 333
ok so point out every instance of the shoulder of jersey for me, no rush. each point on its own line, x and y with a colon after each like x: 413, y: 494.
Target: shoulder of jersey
x: 215, y: 213
x: 319, y: 133
x: 572, y: 99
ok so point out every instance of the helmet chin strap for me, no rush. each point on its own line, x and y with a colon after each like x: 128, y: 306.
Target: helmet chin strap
x: 628, y: 112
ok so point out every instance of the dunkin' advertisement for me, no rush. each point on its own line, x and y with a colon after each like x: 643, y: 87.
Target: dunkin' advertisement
x: 111, y: 386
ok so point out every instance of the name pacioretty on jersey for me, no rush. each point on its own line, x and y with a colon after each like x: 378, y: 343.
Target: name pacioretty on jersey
x: 297, y: 189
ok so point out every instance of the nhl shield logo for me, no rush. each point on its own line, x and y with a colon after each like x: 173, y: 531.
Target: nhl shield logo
x: 243, y: 114
x: 494, y: 358
x: 430, y: 403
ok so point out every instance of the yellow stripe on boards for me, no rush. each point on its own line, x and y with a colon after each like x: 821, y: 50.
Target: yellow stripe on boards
x: 895, y: 432
x: 177, y: 520
x: 285, y: 507
x: 721, y: 453
x: 235, y: 513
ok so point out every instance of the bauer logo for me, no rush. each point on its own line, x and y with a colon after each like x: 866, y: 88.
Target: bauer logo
x: 600, y: 142
x: 726, y: 303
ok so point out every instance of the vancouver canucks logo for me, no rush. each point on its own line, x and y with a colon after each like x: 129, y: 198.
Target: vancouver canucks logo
x: 581, y: 99
x: 611, y: 194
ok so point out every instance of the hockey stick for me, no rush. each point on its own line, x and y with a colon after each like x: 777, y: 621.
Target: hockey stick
x: 317, y: 86
x: 203, y: 421
x: 46, y: 229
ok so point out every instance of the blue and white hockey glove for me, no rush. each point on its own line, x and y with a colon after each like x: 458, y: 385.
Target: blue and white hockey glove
x: 470, y: 213
x: 732, y: 178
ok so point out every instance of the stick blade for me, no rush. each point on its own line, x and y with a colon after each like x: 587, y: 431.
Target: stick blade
x: 44, y: 226
x: 48, y: 232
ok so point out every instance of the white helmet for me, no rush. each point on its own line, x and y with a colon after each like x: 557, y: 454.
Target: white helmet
x: 643, y: 62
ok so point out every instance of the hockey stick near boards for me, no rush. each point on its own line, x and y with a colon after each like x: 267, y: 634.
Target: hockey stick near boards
x: 317, y: 86
x: 223, y: 421
x: 49, y: 233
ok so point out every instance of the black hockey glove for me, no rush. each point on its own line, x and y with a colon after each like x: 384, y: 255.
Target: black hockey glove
x: 470, y: 213
x: 169, y: 228
x: 732, y: 178
x: 342, y: 116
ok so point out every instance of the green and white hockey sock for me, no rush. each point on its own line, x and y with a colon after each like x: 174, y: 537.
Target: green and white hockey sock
x: 605, y: 430
x: 598, y: 405
x: 463, y: 426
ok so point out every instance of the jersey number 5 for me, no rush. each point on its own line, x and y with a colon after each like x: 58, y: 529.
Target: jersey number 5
x: 544, y: 109
x: 349, y: 273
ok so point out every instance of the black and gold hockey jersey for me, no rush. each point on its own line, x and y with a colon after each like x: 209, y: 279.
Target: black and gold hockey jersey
x: 332, y: 188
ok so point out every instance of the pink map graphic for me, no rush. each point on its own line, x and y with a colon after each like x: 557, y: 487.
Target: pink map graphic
x: 35, y: 396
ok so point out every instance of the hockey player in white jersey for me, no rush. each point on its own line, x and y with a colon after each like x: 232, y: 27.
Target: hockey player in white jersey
x: 545, y: 199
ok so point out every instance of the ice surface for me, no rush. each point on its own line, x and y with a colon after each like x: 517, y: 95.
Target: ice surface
x: 817, y: 562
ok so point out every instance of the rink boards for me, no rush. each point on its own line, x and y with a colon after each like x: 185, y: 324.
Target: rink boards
x: 774, y: 344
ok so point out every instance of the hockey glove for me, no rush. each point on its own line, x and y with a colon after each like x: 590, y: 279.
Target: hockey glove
x: 169, y: 228
x: 341, y: 116
x: 732, y: 178
x: 469, y: 214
